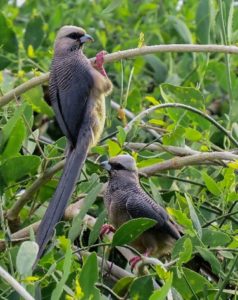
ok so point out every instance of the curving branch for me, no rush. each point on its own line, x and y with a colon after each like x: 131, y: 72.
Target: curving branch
x: 130, y: 53
x: 186, y: 107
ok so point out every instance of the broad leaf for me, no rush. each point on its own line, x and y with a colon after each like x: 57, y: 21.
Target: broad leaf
x: 130, y: 230
x: 26, y: 257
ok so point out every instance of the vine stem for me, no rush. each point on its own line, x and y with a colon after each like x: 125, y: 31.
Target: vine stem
x: 130, y: 53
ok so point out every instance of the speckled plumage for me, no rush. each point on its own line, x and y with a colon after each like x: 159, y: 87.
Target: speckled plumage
x: 125, y: 199
x: 77, y: 95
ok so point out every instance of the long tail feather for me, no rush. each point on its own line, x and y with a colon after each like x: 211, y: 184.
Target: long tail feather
x: 64, y: 190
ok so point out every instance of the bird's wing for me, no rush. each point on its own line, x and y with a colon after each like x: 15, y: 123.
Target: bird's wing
x: 139, y: 205
x: 72, y: 92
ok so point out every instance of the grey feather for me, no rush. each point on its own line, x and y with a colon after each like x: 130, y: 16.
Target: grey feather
x: 125, y: 200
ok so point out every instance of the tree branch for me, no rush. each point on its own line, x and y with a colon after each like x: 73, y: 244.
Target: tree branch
x: 186, y: 107
x: 180, y: 162
x: 16, y: 285
x: 130, y: 53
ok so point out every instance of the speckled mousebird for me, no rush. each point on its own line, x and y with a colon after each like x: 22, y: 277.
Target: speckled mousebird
x: 77, y: 94
x: 125, y: 199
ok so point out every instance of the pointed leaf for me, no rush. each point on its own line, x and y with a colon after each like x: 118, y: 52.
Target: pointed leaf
x: 130, y: 230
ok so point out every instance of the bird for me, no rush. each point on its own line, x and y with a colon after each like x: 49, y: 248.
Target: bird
x: 77, y: 90
x: 125, y: 199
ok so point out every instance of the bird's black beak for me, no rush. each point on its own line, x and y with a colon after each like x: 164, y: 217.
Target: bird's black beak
x: 86, y: 38
x: 106, y: 165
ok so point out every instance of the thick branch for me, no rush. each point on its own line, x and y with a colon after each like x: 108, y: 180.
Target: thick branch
x: 130, y: 53
x: 180, y: 162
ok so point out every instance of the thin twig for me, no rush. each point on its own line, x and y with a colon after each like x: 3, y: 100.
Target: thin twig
x: 186, y: 107
x: 130, y: 53
x: 16, y: 285
x: 14, y: 211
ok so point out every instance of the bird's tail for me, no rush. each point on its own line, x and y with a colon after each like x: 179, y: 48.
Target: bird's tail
x: 64, y: 190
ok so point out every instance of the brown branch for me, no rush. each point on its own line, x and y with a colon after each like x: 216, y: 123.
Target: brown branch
x: 130, y: 53
x: 180, y: 162
x: 175, y: 163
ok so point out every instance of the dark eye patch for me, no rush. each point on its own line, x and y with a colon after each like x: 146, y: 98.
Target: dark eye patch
x: 117, y: 166
x: 75, y: 35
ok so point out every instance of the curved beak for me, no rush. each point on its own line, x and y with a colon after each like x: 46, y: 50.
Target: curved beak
x: 106, y: 165
x: 86, y: 38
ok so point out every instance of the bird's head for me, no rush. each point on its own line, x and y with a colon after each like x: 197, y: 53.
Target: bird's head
x: 70, y: 38
x: 120, y: 165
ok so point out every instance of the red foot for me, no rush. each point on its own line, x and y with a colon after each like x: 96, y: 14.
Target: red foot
x: 100, y: 61
x: 134, y: 261
x: 106, y: 228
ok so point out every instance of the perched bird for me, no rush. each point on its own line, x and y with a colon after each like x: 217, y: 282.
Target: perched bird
x: 125, y: 199
x: 77, y: 92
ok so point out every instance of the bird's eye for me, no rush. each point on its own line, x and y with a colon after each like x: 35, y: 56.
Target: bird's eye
x: 117, y: 166
x: 75, y: 35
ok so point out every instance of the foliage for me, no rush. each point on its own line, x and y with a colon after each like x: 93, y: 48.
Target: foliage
x: 202, y: 198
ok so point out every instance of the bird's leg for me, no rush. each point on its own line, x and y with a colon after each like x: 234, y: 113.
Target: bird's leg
x: 106, y: 228
x: 134, y: 260
x: 98, y: 64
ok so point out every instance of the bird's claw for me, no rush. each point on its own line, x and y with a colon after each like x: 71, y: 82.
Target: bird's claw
x: 134, y: 261
x: 106, y: 229
x: 99, y: 61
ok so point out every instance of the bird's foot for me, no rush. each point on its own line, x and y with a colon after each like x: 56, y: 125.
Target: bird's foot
x: 99, y: 62
x: 134, y: 261
x: 106, y: 228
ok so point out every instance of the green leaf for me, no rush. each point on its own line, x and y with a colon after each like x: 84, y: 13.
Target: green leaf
x: 203, y: 21
x: 211, y: 258
x: 9, y: 126
x: 160, y: 70
x: 186, y: 253
x: 94, y: 233
x: 213, y: 238
x: 15, y: 169
x: 181, y: 29
x: 8, y: 39
x: 112, y: 6
x: 35, y: 98
x: 88, y: 278
x: 191, y: 282
x: 186, y: 95
x: 162, y: 293
x: 182, y: 220
x: 211, y: 185
x: 193, y: 216
x: 34, y: 33
x: 192, y: 134
x: 65, y: 274
x: 113, y: 148
x: 26, y: 257
x: 122, y: 285
x: 130, y: 230
x: 141, y: 288
x: 121, y: 136
x: 88, y: 202
x: 4, y: 62
x: 15, y: 140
